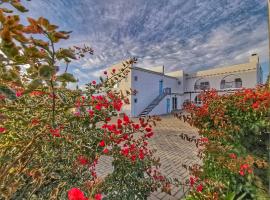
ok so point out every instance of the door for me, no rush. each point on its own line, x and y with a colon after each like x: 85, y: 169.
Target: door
x: 168, y: 105
x: 174, y: 102
x: 160, y: 87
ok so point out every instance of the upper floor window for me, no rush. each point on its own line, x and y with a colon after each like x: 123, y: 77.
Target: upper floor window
x: 231, y: 81
x: 135, y: 78
x: 238, y: 82
x: 202, y: 84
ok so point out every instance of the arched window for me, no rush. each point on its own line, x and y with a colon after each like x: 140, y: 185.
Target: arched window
x: 202, y: 84
x: 197, y: 100
x: 231, y: 81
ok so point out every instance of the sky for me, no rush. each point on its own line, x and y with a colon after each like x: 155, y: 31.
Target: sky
x: 179, y: 34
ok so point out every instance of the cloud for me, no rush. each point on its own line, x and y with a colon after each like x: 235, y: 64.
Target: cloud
x: 180, y: 34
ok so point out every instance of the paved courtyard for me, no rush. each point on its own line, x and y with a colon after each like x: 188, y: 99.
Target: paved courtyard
x: 174, y: 152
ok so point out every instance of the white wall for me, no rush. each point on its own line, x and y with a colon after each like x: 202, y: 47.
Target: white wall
x: 147, y: 87
x: 161, y: 108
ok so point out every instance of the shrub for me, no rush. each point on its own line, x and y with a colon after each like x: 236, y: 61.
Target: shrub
x: 52, y: 137
x: 234, y: 131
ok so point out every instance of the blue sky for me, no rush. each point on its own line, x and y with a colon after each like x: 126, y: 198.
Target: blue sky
x: 179, y: 34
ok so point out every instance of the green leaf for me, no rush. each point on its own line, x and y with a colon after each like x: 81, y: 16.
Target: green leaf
x: 66, y: 77
x: 63, y: 53
x: 230, y: 196
x: 9, y: 93
x: 45, y: 71
x: 33, y: 85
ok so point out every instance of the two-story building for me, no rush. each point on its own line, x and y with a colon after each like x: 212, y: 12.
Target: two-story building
x: 159, y: 92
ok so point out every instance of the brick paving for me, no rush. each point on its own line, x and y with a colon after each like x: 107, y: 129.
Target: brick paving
x: 172, y: 151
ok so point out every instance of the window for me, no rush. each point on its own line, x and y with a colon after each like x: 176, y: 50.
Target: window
x: 135, y: 100
x: 204, y: 85
x: 238, y: 83
x: 222, y: 84
x: 179, y: 82
x: 231, y: 81
x: 135, y: 78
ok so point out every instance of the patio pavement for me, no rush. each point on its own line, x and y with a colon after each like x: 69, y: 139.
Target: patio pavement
x: 173, y: 152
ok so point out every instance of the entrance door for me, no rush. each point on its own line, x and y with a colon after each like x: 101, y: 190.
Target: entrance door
x: 168, y: 105
x: 160, y: 87
x: 174, y: 103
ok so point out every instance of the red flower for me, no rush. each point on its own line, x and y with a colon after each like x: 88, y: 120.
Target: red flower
x: 192, y: 181
x: 244, y: 166
x: 126, y: 119
x: 113, y: 70
x: 2, y: 129
x: 250, y: 171
x: 98, y: 196
x: 242, y: 173
x: 255, y: 105
x: 19, y: 93
x: 133, y: 157
x: 76, y: 194
x: 232, y: 156
x: 36, y: 93
x: 148, y: 129
x: 55, y: 132
x: 125, y: 151
x: 91, y: 113
x: 149, y: 135
x: 82, y: 160
x: 141, y: 155
x: 102, y: 143
x: 34, y: 122
x: 105, y: 151
x: 94, y: 82
x: 105, y: 72
x: 199, y: 188
x: 98, y: 107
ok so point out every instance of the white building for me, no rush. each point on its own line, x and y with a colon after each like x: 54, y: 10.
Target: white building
x: 160, y: 93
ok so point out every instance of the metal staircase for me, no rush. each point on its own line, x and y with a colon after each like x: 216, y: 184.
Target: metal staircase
x: 155, y: 102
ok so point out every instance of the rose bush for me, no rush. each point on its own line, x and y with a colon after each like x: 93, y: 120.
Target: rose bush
x: 51, y: 137
x: 234, y: 130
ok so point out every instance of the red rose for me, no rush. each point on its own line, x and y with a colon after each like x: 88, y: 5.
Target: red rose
x: 105, y: 72
x: 113, y: 70
x: 76, y: 194
x: 94, y: 82
x: 102, y: 143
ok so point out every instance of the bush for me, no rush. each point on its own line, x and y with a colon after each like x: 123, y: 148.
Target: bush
x: 234, y: 131
x: 52, y: 137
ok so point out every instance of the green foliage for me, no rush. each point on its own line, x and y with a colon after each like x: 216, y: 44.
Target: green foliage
x: 234, y: 144
x: 52, y: 137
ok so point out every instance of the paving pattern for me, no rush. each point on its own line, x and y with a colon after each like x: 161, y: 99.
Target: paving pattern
x: 173, y: 152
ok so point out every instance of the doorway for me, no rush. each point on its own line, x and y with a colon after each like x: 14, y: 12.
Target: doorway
x: 168, y: 105
x: 174, y: 103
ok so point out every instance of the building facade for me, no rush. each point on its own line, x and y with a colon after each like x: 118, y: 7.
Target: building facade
x: 158, y: 92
